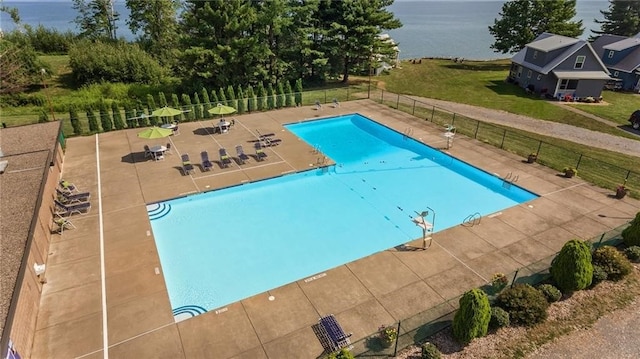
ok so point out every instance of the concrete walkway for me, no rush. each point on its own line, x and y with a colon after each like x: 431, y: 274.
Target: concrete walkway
x: 106, y: 296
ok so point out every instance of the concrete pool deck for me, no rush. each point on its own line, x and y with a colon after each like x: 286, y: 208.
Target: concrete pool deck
x: 112, y: 252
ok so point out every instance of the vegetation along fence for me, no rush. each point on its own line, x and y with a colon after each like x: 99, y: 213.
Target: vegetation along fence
x: 420, y: 327
x: 596, y: 171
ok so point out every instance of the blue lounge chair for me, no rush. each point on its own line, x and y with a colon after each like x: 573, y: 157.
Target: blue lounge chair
x: 69, y: 209
x: 242, y: 157
x: 225, y: 159
x: 260, y: 154
x: 206, y: 163
x: 67, y: 186
x: 68, y: 198
x: 187, y: 167
x: 331, y: 334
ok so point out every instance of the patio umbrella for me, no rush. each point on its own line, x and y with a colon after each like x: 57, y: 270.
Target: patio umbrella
x: 166, y: 112
x: 155, y: 132
x: 221, y: 109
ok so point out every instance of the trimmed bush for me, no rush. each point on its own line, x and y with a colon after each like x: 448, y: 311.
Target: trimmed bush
x: 612, y: 261
x: 499, y: 318
x: 571, y: 269
x: 550, y: 292
x: 633, y: 253
x: 525, y: 304
x: 599, y: 275
x: 631, y: 234
x: 344, y: 353
x: 430, y: 351
x: 472, y: 319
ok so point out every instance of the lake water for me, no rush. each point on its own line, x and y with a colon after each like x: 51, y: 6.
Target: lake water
x: 430, y: 28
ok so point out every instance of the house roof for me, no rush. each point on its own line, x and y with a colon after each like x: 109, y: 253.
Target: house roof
x: 28, y: 150
x: 623, y: 44
x: 581, y: 75
x: 629, y: 63
x: 604, y: 40
x: 551, y: 41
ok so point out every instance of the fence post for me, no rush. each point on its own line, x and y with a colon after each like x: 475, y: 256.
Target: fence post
x: 504, y: 134
x: 453, y: 120
x: 382, y: 97
x: 626, y: 178
x: 579, y: 159
x: 515, y: 275
x: 398, y: 102
x: 601, y: 238
x: 348, y: 93
x: 433, y: 110
x: 475, y: 136
x: 325, y: 96
x: 395, y: 349
x: 413, y: 112
x: 538, y: 150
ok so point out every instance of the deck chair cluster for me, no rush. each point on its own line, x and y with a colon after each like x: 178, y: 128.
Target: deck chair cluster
x: 70, y: 200
x: 331, y: 335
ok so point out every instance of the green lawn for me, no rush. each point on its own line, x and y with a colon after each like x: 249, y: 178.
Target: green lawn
x: 482, y: 83
x: 617, y: 106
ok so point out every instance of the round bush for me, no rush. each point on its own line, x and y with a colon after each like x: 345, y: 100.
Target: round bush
x: 631, y: 234
x: 472, y: 319
x: 571, y: 269
x: 499, y: 318
x: 525, y: 304
x: 599, y: 275
x: 613, y: 262
x: 430, y: 351
x: 633, y: 253
x: 344, y: 353
x: 550, y: 292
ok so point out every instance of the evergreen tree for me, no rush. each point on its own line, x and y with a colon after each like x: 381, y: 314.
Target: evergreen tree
x: 162, y: 100
x: 288, y: 102
x: 231, y: 97
x: 472, y: 319
x: 175, y: 102
x: 129, y: 112
x: 43, y: 117
x: 197, y: 107
x: 280, y: 95
x: 143, y: 119
x: 523, y: 20
x: 572, y: 269
x: 222, y: 97
x: 631, y: 234
x: 622, y: 18
x: 151, y: 106
x: 105, y: 117
x: 214, y: 98
x: 206, y: 103
x: 186, y: 102
x: 118, y: 123
x: 270, y: 97
x: 298, y: 94
x: 251, y: 99
x: 156, y: 22
x: 93, y: 122
x: 262, y: 97
x: 75, y: 120
x: 241, y: 101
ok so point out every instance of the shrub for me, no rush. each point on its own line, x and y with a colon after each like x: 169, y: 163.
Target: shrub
x: 599, y: 275
x: 472, y: 319
x: 633, y: 253
x: 499, y: 318
x: 344, y: 353
x: 525, y: 304
x: 550, y: 292
x: 612, y: 261
x: 571, y: 268
x: 631, y: 234
x: 430, y: 351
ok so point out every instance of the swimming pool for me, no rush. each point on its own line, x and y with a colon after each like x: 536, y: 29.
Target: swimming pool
x: 220, y: 247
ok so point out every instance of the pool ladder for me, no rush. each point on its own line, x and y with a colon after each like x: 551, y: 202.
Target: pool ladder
x: 509, y: 179
x: 472, y: 219
x: 316, y: 149
x: 408, y: 132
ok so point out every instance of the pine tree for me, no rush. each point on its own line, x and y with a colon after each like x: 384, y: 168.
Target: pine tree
x: 298, y: 94
x: 251, y: 100
x: 129, y: 112
x: 280, y: 95
x: 222, y: 97
x: 631, y: 234
x: 241, y: 101
x: 186, y: 102
x: 143, y: 118
x: 75, y: 120
x: 151, y: 106
x: 175, y: 101
x: 262, y: 97
x: 270, y: 100
x: 93, y: 122
x: 206, y: 103
x: 622, y: 18
x: 288, y: 102
x: 118, y: 123
x: 231, y: 97
x: 214, y: 98
x: 105, y: 117
x: 197, y: 107
x: 571, y: 269
x: 472, y: 319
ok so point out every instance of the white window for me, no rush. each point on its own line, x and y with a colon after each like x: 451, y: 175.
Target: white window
x: 615, y: 74
x: 611, y: 53
x: 568, y: 84
x: 579, y: 62
x: 529, y: 74
x: 535, y: 54
x: 539, y: 77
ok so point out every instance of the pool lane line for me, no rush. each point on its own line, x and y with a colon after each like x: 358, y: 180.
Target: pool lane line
x: 103, y: 282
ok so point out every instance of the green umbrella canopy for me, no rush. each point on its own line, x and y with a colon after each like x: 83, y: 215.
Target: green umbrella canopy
x: 155, y: 132
x: 221, y: 109
x: 165, y: 112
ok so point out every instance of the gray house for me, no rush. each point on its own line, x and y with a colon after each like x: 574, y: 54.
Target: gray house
x: 621, y: 55
x: 559, y: 67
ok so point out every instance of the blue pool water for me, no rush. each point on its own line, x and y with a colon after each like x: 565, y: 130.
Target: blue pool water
x: 219, y: 247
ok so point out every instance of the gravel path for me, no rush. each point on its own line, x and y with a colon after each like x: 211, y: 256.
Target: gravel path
x: 547, y: 128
